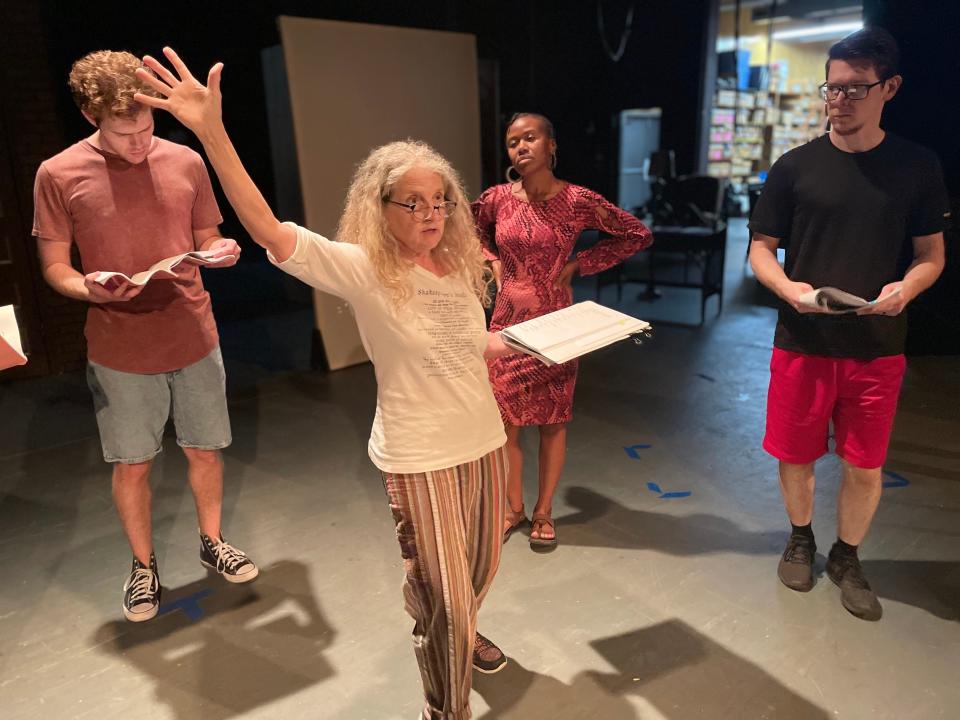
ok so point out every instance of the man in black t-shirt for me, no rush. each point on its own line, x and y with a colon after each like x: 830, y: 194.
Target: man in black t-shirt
x: 850, y: 206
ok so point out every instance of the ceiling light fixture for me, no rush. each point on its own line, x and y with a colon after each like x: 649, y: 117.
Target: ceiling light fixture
x: 817, y: 30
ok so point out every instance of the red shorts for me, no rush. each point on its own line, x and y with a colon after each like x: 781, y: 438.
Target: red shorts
x: 807, y: 391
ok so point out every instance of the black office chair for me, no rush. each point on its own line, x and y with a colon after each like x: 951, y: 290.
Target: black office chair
x: 695, y: 227
x: 663, y: 164
x: 662, y: 170
x: 697, y: 201
x: 698, y: 231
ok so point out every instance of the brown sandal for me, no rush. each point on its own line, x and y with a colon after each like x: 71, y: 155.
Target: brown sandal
x: 542, y: 519
x: 513, y: 519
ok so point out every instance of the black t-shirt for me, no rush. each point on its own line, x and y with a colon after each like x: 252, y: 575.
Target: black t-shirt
x: 848, y: 220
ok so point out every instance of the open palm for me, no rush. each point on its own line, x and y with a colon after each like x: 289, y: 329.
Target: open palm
x: 194, y: 104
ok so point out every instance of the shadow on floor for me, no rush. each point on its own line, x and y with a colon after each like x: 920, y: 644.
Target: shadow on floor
x: 931, y: 585
x: 685, y: 674
x: 904, y: 454
x: 603, y: 522
x: 680, y: 672
x: 517, y: 692
x: 246, y: 645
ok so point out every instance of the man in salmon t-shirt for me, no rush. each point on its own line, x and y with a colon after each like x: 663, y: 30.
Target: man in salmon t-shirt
x: 128, y: 199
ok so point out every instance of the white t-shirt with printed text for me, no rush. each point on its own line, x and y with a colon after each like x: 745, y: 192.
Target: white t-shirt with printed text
x: 435, y: 408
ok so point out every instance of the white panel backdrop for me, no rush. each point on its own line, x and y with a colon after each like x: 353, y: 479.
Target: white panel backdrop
x: 354, y: 87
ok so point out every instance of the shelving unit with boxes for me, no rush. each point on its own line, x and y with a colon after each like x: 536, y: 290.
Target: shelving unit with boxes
x: 768, y: 123
x: 737, y: 148
x: 800, y: 120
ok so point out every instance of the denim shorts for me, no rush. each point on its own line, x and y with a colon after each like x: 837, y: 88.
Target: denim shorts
x: 133, y: 409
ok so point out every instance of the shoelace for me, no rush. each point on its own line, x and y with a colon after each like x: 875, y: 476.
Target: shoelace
x: 851, y: 572
x: 482, y: 645
x: 799, y: 552
x: 142, y: 585
x: 228, y: 557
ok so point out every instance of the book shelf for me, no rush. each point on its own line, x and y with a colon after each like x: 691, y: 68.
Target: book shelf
x: 767, y: 125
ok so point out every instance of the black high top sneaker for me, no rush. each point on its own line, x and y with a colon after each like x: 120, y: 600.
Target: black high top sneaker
x: 225, y: 559
x: 141, y: 591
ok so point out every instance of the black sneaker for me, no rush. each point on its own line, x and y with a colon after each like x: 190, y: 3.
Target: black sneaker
x: 855, y: 592
x: 796, y: 566
x: 141, y: 591
x: 487, y: 657
x: 225, y: 559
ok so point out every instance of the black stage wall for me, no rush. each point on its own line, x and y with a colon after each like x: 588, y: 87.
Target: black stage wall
x: 540, y: 55
x: 549, y: 54
x: 927, y: 110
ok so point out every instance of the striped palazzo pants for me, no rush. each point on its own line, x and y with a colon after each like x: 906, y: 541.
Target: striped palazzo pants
x: 450, y: 528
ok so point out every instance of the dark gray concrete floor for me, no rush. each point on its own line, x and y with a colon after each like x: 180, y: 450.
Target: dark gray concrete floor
x: 652, y: 607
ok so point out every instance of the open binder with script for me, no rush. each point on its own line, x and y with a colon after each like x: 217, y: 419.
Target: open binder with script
x: 164, y: 268
x: 571, y: 332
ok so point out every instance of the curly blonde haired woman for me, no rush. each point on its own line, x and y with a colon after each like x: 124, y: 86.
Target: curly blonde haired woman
x: 411, y: 267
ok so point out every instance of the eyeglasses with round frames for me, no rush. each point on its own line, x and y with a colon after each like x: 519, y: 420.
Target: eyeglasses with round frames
x: 424, y: 211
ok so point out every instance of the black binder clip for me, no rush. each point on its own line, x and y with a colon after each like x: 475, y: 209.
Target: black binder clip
x: 639, y: 337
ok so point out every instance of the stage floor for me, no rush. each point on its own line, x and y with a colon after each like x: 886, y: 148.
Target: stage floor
x: 661, y: 601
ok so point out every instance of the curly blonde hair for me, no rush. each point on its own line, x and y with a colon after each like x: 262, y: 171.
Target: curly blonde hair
x: 103, y: 83
x: 364, y: 222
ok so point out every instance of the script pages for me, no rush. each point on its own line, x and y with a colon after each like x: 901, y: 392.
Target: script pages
x: 571, y: 332
x: 838, y: 302
x: 163, y: 267
x: 11, y: 351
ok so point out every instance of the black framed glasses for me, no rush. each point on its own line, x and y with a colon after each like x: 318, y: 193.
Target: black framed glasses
x: 854, y: 91
x: 423, y: 211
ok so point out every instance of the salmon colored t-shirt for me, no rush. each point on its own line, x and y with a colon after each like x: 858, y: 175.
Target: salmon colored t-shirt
x: 125, y: 218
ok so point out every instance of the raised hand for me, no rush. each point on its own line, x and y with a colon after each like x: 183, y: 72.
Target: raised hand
x: 198, y: 107
x: 194, y: 104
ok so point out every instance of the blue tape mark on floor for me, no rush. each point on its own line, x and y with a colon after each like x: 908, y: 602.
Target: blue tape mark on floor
x: 189, y: 604
x: 897, y: 481
x: 634, y: 450
x: 654, y: 488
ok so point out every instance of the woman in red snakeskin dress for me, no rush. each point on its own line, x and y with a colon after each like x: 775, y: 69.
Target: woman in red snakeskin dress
x: 528, y: 229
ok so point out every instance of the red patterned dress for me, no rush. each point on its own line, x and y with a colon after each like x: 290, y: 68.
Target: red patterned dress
x: 533, y: 241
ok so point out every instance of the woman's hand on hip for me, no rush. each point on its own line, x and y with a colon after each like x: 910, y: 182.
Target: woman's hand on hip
x: 565, y: 279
